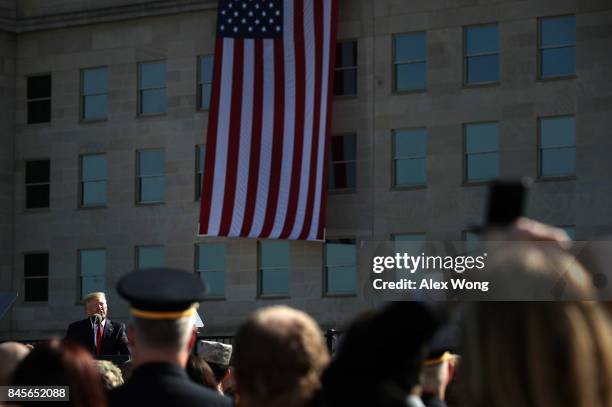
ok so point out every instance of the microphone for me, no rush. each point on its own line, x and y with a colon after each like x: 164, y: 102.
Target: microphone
x: 96, y: 318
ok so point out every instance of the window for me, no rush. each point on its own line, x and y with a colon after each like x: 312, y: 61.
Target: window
x: 200, y: 156
x: 342, y: 166
x: 411, y: 243
x: 481, y: 54
x: 557, y: 146
x: 36, y: 276
x: 274, y: 268
x: 93, y: 180
x: 410, y: 62
x: 210, y: 263
x: 481, y: 147
x: 39, y: 99
x: 92, y: 269
x: 151, y: 183
x: 340, y: 266
x: 345, y: 71
x: 557, y: 45
x: 150, y: 256
x: 37, y: 184
x: 94, y: 97
x: 152, y: 87
x: 409, y: 157
x: 205, y: 74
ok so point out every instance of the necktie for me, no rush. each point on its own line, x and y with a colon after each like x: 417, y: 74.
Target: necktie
x: 99, y: 339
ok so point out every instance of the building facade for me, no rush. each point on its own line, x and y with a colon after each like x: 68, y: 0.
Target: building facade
x: 104, y: 125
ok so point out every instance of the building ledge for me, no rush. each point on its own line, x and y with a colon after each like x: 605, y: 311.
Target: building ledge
x: 105, y: 15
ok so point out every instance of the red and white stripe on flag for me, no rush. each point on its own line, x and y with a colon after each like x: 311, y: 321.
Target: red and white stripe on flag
x: 265, y: 174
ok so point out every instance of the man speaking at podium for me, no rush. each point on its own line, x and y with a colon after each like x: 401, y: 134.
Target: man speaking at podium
x: 96, y: 333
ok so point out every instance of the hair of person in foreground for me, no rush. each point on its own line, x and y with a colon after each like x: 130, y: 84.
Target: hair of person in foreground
x: 555, y: 353
x: 56, y: 363
x: 109, y: 373
x: 11, y: 354
x: 200, y: 372
x: 278, y: 357
x: 380, y: 357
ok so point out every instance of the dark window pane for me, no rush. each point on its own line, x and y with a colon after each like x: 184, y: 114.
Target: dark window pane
x: 342, y: 176
x: 153, y: 101
x: 411, y: 76
x: 483, y: 69
x: 410, y: 143
x: 37, y: 196
x: 151, y: 256
x: 94, y: 107
x: 206, y: 68
x: 152, y: 189
x: 275, y: 282
x: 95, y: 81
x: 343, y: 148
x: 558, y: 162
x: 205, y: 94
x: 39, y: 111
x: 558, y: 131
x: 150, y: 162
x: 409, y: 47
x: 36, y: 264
x: 341, y: 280
x: 274, y: 254
x: 482, y: 137
x: 345, y: 82
x: 36, y: 289
x: 37, y: 171
x: 559, y: 61
x: 211, y: 256
x: 93, y: 167
x: 346, y: 54
x: 94, y: 193
x: 482, y: 39
x: 39, y: 87
x: 153, y: 75
x: 482, y: 167
x: 558, y: 31
x: 215, y: 283
x: 410, y: 172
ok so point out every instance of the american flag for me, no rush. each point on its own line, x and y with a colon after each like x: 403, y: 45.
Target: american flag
x: 268, y: 130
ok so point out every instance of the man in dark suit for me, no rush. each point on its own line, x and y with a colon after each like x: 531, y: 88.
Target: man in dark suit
x: 97, y: 333
x: 161, y: 334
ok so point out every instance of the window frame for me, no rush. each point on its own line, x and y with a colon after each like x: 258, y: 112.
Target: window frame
x: 540, y: 176
x: 80, y: 271
x: 394, y: 64
x: 139, y: 90
x: 28, y: 100
x: 82, y: 96
x: 198, y: 271
x: 39, y: 277
x: 326, y: 293
x: 350, y: 190
x: 346, y: 68
x: 539, y: 48
x: 81, y: 193
x: 394, y: 159
x: 465, y: 159
x: 139, y: 202
x: 200, y: 84
x: 26, y: 185
x: 466, y: 83
x: 260, y: 269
